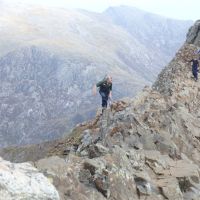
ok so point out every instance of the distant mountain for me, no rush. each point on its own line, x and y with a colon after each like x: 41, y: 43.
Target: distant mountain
x: 51, y: 57
x: 160, y: 34
x: 147, y: 147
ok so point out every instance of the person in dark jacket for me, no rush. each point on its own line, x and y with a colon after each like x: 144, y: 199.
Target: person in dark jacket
x: 195, y: 68
x: 105, y: 90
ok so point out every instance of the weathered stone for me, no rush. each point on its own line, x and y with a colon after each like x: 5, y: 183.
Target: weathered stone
x: 85, y: 177
x: 170, y: 188
x: 85, y: 141
x: 23, y: 181
x: 193, y: 36
x: 136, y: 158
x: 48, y: 165
x: 102, y: 184
x: 193, y: 193
x: 70, y: 178
x: 97, y: 150
x: 143, y: 186
x: 84, y: 153
x: 157, y: 162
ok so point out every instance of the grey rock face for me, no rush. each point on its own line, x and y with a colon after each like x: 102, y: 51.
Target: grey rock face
x: 23, y: 181
x: 193, y: 36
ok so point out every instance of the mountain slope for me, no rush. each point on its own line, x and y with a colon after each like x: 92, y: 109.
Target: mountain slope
x: 55, y: 56
x: 156, y: 32
x: 146, y: 147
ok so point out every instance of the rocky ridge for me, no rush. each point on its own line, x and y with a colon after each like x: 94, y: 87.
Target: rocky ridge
x: 47, y: 68
x: 142, y: 148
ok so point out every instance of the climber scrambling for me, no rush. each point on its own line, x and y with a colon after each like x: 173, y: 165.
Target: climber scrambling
x: 195, y: 68
x: 105, y: 90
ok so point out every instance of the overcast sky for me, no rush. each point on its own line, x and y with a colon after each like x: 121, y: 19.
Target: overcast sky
x: 179, y: 9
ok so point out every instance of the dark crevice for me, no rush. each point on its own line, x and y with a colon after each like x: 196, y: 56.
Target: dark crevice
x: 162, y: 193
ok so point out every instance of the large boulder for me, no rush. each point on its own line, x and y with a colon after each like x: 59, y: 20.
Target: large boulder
x: 23, y: 181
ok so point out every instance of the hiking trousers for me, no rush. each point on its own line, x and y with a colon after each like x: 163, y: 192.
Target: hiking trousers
x: 195, y: 74
x: 104, y: 97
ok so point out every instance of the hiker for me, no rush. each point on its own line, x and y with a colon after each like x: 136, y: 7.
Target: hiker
x: 195, y: 68
x: 105, y: 90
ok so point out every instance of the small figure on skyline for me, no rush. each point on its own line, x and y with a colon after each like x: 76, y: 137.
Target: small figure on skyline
x: 195, y: 67
x: 105, y: 90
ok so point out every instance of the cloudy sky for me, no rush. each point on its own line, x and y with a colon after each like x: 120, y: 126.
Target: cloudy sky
x: 179, y: 9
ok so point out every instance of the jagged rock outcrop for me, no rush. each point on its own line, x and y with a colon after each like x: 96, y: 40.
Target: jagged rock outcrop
x: 193, y: 34
x: 23, y: 181
x: 142, y: 148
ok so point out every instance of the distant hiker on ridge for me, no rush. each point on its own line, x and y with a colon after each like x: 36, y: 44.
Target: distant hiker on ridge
x: 105, y: 90
x: 195, y: 67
